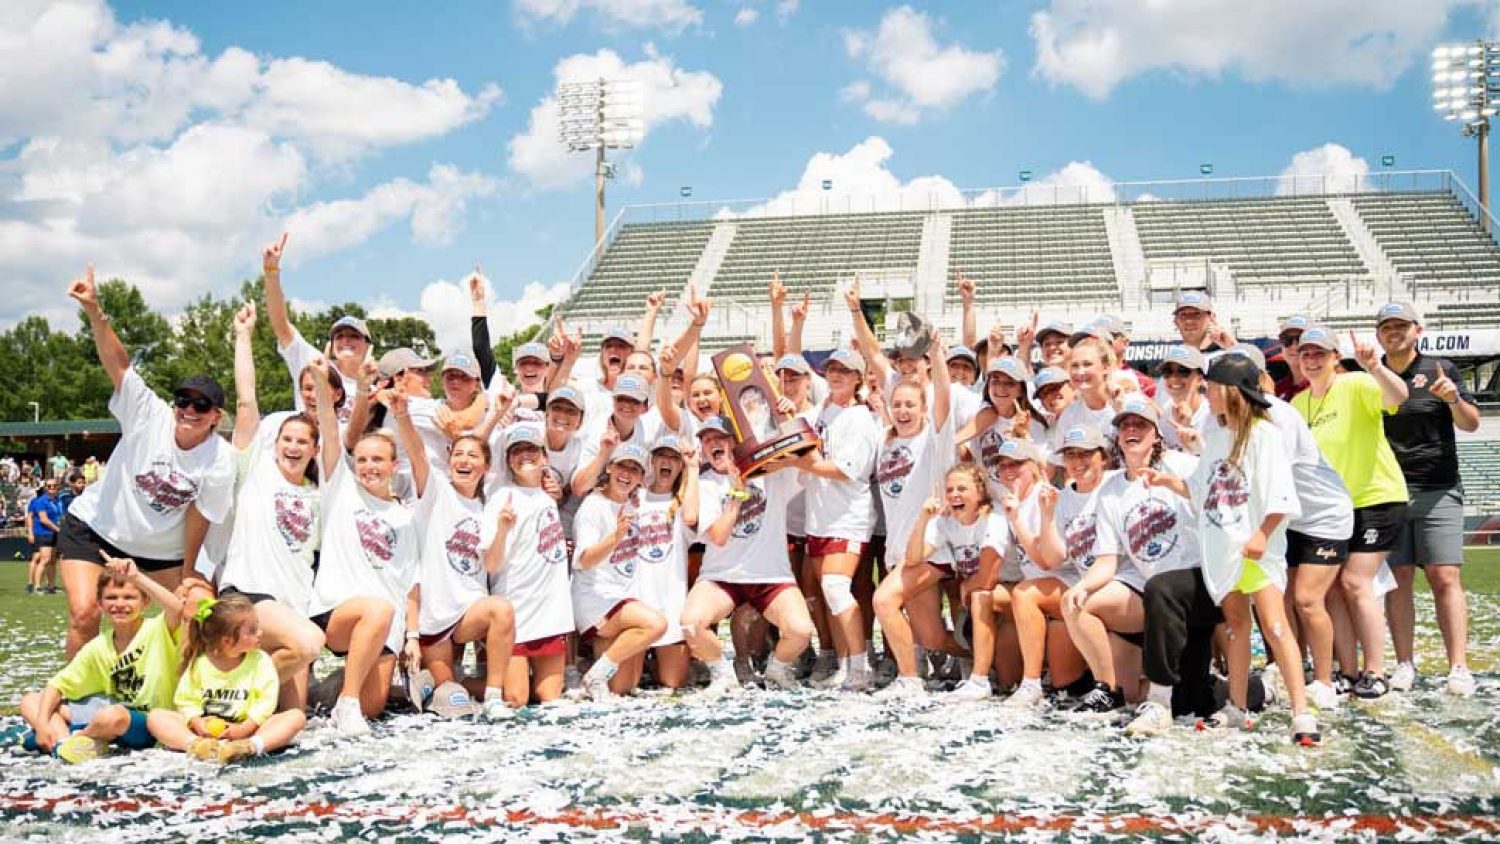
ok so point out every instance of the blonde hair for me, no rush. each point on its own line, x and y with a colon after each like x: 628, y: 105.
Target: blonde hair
x: 911, y: 383
x: 1240, y: 416
x: 226, y: 616
x: 1105, y: 350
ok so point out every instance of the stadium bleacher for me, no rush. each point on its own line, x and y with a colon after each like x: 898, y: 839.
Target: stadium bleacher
x: 815, y: 252
x: 644, y: 257
x: 1479, y: 465
x: 1432, y: 238
x: 1022, y: 255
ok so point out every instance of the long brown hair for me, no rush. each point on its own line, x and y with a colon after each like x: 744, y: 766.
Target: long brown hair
x: 223, y: 620
x: 1240, y: 415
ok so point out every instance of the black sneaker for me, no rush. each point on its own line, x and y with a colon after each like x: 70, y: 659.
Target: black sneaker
x: 1371, y: 686
x: 1100, y: 699
x: 1343, y: 684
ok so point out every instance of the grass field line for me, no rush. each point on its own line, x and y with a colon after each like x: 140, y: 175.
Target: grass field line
x: 601, y: 819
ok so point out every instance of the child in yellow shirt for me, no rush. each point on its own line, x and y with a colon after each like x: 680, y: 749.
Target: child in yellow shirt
x: 225, y: 705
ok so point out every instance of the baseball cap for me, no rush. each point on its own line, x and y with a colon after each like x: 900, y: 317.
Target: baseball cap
x: 1296, y: 322
x: 1013, y: 449
x: 524, y: 435
x: 450, y: 700
x: 632, y: 387
x: 532, y: 351
x: 714, y: 425
x: 350, y: 321
x: 1195, y: 299
x: 1111, y: 323
x: 1320, y: 336
x: 203, y: 386
x: 962, y: 351
x: 620, y: 333
x: 567, y: 394
x: 1089, y: 329
x: 1083, y: 436
x: 1398, y: 310
x: 1239, y: 371
x: 913, y: 335
x: 667, y: 442
x: 795, y: 363
x: 1250, y: 351
x: 630, y: 452
x: 1048, y: 377
x: 1007, y: 366
x: 462, y: 361
x: 1184, y: 356
x: 848, y: 359
x: 1138, y: 405
x: 1054, y: 327
x: 401, y: 359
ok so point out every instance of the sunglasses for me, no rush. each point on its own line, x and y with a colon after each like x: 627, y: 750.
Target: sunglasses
x: 1175, y: 372
x: 198, y: 403
x: 1290, y: 339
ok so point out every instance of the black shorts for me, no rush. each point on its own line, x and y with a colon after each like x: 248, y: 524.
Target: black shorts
x: 78, y: 541
x: 1378, y: 527
x: 321, y: 619
x: 48, y: 541
x: 255, y: 597
x: 1302, y: 549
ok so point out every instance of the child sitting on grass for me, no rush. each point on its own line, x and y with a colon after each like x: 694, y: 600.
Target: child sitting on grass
x: 102, y: 696
x: 225, y: 706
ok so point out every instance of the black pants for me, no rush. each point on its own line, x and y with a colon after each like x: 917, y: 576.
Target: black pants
x: 1180, y: 621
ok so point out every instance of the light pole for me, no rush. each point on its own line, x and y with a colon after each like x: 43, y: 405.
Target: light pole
x: 1465, y: 86
x: 599, y: 115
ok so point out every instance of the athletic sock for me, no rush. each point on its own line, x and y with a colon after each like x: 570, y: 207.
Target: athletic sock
x: 773, y: 662
x: 1031, y: 683
x: 720, y: 669
x: 1160, y: 694
x: 859, y: 662
x: 603, y: 667
x: 844, y: 664
x: 493, y: 693
x: 259, y: 744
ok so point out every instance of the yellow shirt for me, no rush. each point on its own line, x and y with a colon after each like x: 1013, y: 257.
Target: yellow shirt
x: 245, y: 693
x: 1348, y: 424
x: 140, y: 677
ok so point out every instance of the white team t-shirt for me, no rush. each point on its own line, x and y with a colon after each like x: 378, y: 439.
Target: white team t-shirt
x: 1017, y: 564
x: 1199, y: 421
x: 140, y: 503
x: 370, y: 549
x: 851, y: 439
x: 907, y: 473
x: 298, y: 354
x: 1234, y: 499
x: 661, y: 561
x: 756, y: 550
x: 277, y: 526
x: 1077, y: 520
x: 452, y: 575
x: 985, y: 447
x: 1078, y: 413
x: 597, y: 590
x: 959, y: 545
x: 534, y: 575
x: 1150, y: 529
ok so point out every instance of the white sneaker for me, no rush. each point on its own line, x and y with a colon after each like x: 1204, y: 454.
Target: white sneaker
x: 1151, y: 718
x: 722, y: 685
x: 857, y: 681
x: 1027, y: 696
x: 1305, y: 730
x: 496, y: 709
x: 972, y: 689
x: 1404, y: 677
x: 781, y: 676
x: 1322, y: 697
x: 824, y: 667
x: 835, y: 680
x: 1274, y: 684
x: 573, y: 683
x: 902, y: 688
x: 348, y: 719
x: 596, y: 686
x: 323, y: 695
x: 1460, y: 682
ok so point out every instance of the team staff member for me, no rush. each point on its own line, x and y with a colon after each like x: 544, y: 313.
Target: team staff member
x: 43, y: 513
x: 171, y: 476
x: 1421, y: 436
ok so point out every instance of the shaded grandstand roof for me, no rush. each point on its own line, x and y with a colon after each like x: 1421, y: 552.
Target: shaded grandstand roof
x: 59, y: 427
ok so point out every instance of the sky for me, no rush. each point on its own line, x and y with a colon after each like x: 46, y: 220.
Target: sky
x: 401, y: 145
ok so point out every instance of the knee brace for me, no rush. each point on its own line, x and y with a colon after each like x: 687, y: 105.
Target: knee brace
x: 838, y: 592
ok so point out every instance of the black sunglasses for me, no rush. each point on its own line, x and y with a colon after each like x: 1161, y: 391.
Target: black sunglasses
x: 1290, y: 339
x: 1175, y: 371
x: 198, y: 403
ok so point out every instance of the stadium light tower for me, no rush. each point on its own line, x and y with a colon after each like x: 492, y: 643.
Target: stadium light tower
x: 599, y: 115
x: 1466, y: 88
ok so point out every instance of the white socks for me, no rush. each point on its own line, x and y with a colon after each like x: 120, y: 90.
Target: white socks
x: 859, y: 661
x: 1160, y: 694
x: 493, y: 693
x: 603, y: 667
x: 259, y: 744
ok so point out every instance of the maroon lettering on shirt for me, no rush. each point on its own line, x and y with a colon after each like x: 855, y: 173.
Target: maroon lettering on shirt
x: 164, y: 488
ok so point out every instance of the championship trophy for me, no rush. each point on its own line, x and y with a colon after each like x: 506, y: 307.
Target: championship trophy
x: 761, y: 432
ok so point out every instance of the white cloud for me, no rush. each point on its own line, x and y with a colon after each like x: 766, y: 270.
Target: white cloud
x: 1095, y: 45
x: 128, y: 146
x: 667, y: 93
x: 749, y: 13
x: 1328, y: 168
x: 446, y: 306
x: 668, y: 15
x: 924, y: 76
x: 861, y: 180
x: 745, y: 16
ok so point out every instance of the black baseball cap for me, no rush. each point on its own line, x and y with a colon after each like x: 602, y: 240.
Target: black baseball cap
x: 1239, y: 371
x: 203, y: 386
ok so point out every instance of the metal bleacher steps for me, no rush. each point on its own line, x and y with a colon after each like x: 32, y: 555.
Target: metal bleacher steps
x: 1022, y: 255
x: 1432, y: 239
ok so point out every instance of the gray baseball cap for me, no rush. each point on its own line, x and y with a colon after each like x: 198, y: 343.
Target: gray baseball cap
x: 1398, y: 310
x: 1086, y: 437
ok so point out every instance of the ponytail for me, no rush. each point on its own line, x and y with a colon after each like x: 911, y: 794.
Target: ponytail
x: 212, y: 621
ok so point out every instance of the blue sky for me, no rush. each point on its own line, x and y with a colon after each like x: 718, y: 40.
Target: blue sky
x: 167, y: 140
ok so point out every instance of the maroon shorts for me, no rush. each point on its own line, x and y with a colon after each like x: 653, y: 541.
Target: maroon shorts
x: 822, y: 546
x: 555, y: 645
x: 588, y: 635
x: 757, y: 595
x: 427, y: 641
x: 945, y: 568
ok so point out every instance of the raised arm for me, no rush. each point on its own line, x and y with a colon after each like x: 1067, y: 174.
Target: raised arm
x: 1025, y: 339
x: 564, y: 349
x: 270, y: 263
x: 941, y: 384
x: 869, y: 346
x: 799, y: 322
x: 647, y: 332
x: 112, y: 353
x: 690, y: 504
x: 411, y: 441
x: 172, y: 605
x: 971, y: 321
x: 363, y: 407
x: 505, y: 519
x: 330, y: 449
x: 671, y: 414
x: 1392, y: 389
x: 479, y: 328
x: 778, y: 317
x: 246, y: 409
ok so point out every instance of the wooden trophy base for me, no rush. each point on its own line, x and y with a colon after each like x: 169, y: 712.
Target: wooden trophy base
x: 791, y: 438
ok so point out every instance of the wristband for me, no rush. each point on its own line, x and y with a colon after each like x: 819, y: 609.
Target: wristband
x: 739, y: 494
x: 413, y: 635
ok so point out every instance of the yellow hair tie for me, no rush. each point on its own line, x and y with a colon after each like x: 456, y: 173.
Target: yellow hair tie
x: 205, y: 608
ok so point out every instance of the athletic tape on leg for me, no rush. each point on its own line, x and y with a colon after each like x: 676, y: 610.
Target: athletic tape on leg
x: 838, y: 591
